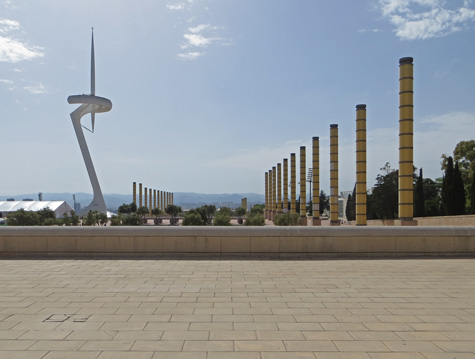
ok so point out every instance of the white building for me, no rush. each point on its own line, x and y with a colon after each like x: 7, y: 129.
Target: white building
x: 59, y: 207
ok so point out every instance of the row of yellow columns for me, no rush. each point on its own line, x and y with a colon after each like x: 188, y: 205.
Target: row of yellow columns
x: 158, y: 199
x: 406, y: 160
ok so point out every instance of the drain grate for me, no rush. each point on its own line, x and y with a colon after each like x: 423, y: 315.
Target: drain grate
x: 60, y: 318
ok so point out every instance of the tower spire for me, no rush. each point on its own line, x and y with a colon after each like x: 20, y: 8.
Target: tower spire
x: 93, y: 78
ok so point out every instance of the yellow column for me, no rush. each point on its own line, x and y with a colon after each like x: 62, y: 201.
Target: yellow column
x: 274, y: 192
x: 134, y: 193
x: 140, y: 194
x: 145, y: 198
x: 334, y: 175
x: 285, y: 201
x: 266, y: 194
x: 154, y: 198
x: 316, y: 181
x: 361, y: 165
x: 293, y: 184
x: 279, y: 188
x: 161, y: 200
x: 406, y: 134
x: 173, y: 202
x: 150, y: 199
x: 303, y: 187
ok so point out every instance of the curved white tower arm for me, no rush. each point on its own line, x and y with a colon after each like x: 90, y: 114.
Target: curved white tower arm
x: 89, y: 104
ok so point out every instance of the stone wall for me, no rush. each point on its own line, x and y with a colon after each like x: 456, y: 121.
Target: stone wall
x: 467, y: 220
x: 238, y: 241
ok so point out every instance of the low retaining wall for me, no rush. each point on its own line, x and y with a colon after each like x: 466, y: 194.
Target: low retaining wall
x: 465, y: 220
x: 240, y: 241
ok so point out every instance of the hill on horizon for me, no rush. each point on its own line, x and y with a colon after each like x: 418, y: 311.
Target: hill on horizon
x: 185, y: 199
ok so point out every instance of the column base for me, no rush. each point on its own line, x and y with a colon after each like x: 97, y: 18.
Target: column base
x: 408, y: 223
x: 316, y: 221
x: 334, y: 223
x: 303, y: 221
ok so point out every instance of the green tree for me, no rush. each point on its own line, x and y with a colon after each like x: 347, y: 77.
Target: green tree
x: 432, y: 203
x: 459, y: 198
x: 142, y: 211
x: 102, y: 218
x: 255, y: 219
x: 47, y: 217
x: 472, y: 195
x: 173, y: 211
x: 464, y: 153
x: 91, y: 219
x: 240, y: 212
x: 226, y: 210
x: 116, y: 220
x: 125, y: 209
x: 384, y: 199
x: 324, y: 202
x: 132, y: 219
x: 23, y: 218
x: 419, y: 198
x: 192, y: 219
x: 257, y: 209
x: 287, y: 219
x: 156, y: 212
x: 453, y: 192
x: 351, y: 206
x: 222, y: 219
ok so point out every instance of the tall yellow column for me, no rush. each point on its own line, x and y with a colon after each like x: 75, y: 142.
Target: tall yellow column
x: 285, y: 201
x: 150, y: 199
x: 145, y: 198
x: 173, y: 202
x: 270, y: 195
x: 303, y: 187
x: 334, y: 176
x: 140, y: 194
x: 274, y: 192
x: 316, y: 181
x: 406, y: 135
x: 134, y: 193
x: 279, y: 188
x: 361, y: 165
x: 154, y: 198
x: 293, y: 184
x: 161, y: 201
x: 266, y: 195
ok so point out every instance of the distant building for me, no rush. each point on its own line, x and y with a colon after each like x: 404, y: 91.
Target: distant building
x: 59, y: 207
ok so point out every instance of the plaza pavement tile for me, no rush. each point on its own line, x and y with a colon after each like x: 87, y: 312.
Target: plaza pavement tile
x: 237, y: 309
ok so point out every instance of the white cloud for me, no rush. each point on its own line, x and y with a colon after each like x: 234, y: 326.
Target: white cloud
x: 175, y: 6
x: 7, y: 82
x: 191, y: 55
x: 424, y: 19
x: 362, y: 31
x: 198, y: 37
x: 12, y: 50
x: 37, y: 89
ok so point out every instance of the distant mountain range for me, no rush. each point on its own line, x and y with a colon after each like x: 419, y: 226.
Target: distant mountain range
x: 186, y: 200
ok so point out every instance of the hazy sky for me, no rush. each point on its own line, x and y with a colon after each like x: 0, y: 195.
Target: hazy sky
x: 210, y: 94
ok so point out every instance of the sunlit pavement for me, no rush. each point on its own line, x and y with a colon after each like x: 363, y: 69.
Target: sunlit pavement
x: 218, y: 309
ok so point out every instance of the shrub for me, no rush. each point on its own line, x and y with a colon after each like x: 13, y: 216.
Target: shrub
x: 132, y: 220
x: 115, y: 221
x: 255, y: 219
x: 287, y: 219
x: 222, y: 219
x: 192, y: 219
x: 257, y: 209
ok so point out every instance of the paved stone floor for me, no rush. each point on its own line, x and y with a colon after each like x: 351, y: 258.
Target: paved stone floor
x: 220, y: 309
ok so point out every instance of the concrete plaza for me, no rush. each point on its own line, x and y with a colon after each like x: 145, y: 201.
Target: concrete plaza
x: 223, y: 309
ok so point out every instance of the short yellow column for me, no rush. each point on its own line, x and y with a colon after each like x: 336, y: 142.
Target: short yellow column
x: 303, y: 187
x: 279, y: 188
x: 134, y: 193
x: 316, y: 181
x: 285, y: 201
x: 334, y: 175
x: 293, y: 184
x: 140, y: 194
x: 406, y: 139
x: 361, y: 165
